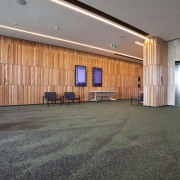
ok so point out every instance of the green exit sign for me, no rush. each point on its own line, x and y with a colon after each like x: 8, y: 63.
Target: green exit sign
x: 114, y: 46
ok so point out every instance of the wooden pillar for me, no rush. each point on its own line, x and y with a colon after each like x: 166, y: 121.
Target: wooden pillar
x: 155, y: 67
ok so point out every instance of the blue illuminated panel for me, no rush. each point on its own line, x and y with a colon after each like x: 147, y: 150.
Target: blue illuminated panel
x: 80, y: 75
x: 97, y: 76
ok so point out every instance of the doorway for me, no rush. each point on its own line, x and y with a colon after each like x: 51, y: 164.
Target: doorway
x: 177, y: 83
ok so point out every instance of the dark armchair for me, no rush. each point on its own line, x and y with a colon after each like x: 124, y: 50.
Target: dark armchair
x: 70, y: 96
x: 139, y: 99
x: 51, y: 96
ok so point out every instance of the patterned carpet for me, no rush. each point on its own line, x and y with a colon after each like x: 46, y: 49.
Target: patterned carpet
x: 103, y: 141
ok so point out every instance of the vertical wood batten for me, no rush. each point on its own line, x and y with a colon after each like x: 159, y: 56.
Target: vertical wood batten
x: 155, y: 72
x: 33, y: 68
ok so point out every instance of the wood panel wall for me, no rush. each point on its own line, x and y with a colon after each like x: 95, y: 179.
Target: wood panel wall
x: 155, y: 67
x: 28, y: 69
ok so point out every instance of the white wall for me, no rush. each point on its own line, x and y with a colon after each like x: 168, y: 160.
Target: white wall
x: 173, y: 55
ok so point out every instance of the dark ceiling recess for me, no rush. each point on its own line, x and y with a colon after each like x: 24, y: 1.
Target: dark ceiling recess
x: 127, y: 57
x: 104, y: 15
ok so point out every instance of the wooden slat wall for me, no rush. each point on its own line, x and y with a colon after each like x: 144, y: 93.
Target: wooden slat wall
x: 32, y: 68
x: 155, y: 67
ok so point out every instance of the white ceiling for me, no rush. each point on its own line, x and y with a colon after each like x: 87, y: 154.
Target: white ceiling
x: 157, y: 17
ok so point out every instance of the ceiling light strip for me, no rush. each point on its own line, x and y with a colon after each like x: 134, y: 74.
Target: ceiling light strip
x: 139, y: 43
x: 64, y: 40
x: 105, y: 15
x: 117, y: 54
x: 98, y: 18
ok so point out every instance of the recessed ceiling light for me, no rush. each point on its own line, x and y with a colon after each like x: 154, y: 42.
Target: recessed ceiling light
x: 56, y: 27
x: 21, y: 2
x: 15, y: 23
x: 121, y: 37
x: 64, y: 40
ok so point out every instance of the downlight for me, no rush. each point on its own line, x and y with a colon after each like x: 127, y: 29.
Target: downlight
x: 21, y: 2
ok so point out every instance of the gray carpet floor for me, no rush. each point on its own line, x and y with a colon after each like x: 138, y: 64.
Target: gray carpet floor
x: 104, y: 141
